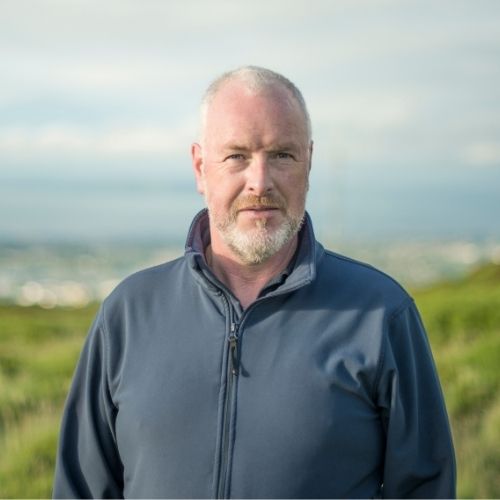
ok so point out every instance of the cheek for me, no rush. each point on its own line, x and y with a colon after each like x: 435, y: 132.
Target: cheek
x: 220, y: 192
x: 294, y: 186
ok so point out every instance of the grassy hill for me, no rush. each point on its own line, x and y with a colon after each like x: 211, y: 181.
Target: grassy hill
x: 38, y: 351
x: 39, y: 348
x: 463, y: 321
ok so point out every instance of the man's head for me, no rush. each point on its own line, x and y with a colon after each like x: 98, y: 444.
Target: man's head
x: 253, y: 161
x: 256, y: 80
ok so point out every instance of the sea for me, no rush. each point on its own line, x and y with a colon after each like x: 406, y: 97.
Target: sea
x: 67, y: 240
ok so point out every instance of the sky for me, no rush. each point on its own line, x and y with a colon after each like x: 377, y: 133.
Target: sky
x: 99, y: 102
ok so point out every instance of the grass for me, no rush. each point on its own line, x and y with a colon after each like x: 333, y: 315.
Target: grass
x: 38, y: 351
x: 463, y: 321
x: 39, y: 348
x: 27, y: 465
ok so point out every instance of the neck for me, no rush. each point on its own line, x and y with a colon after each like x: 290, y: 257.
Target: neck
x: 247, y: 280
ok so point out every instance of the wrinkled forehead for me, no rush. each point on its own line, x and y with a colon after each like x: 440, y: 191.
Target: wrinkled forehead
x: 233, y: 92
x: 236, y: 103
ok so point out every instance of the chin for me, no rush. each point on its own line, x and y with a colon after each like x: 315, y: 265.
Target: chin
x: 258, y: 244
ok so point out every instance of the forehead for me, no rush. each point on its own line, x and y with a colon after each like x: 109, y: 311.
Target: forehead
x: 237, y: 112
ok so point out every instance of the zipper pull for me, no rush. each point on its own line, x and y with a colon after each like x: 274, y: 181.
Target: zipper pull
x: 233, y: 348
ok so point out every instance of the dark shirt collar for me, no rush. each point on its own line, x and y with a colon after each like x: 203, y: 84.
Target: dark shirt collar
x: 301, y: 269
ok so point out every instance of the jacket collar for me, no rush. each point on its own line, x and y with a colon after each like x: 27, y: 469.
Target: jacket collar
x: 301, y: 273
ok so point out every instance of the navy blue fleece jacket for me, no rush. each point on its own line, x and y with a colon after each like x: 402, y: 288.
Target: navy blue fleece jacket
x: 324, y: 387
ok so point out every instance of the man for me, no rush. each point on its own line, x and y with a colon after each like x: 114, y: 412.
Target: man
x: 259, y: 365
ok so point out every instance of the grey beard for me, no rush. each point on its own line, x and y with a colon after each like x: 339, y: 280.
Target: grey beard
x: 258, y: 245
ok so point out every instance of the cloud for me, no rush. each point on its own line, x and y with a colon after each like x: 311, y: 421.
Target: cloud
x: 63, y: 139
x: 372, y: 110
x: 482, y: 154
x: 124, y: 77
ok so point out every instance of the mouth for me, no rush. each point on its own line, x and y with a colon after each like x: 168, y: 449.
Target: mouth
x: 259, y: 208
x: 259, y: 212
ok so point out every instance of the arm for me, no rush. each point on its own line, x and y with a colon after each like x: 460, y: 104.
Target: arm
x: 419, y: 456
x: 88, y: 464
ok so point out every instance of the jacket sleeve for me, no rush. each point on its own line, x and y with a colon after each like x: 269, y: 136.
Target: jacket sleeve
x: 88, y: 464
x: 419, y: 456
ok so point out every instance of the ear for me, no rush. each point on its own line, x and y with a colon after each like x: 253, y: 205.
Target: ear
x: 311, y: 147
x: 197, y: 162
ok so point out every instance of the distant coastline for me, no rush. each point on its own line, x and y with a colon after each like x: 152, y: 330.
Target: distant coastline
x: 73, y: 274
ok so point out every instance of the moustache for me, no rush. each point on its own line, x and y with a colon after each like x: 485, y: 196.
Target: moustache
x: 256, y: 202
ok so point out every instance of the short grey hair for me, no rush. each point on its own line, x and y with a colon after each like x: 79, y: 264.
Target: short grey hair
x: 256, y: 79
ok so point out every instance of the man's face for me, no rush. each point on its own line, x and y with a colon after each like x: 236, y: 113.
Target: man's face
x: 253, y: 168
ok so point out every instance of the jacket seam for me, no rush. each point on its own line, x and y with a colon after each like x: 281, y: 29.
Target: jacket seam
x: 366, y: 266
x: 405, y: 304
x: 107, y: 350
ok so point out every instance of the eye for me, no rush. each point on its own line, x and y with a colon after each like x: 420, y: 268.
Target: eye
x: 283, y: 155
x: 235, y: 156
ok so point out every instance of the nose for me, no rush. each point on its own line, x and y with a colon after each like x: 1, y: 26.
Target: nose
x: 259, y: 181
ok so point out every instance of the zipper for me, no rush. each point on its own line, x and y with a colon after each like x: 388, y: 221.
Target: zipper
x: 232, y: 372
x: 233, y: 369
x: 233, y: 348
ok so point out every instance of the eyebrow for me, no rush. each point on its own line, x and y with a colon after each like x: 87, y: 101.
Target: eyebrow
x: 287, y: 146
x: 234, y: 147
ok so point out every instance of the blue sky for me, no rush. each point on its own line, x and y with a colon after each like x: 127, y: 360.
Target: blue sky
x: 404, y: 96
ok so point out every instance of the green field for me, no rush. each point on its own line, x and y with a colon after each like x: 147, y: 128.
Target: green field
x: 39, y: 348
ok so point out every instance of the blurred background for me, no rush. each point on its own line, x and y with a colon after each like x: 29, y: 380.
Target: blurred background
x: 99, y: 106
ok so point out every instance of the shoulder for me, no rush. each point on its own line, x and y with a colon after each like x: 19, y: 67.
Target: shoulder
x: 146, y: 283
x: 361, y: 283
